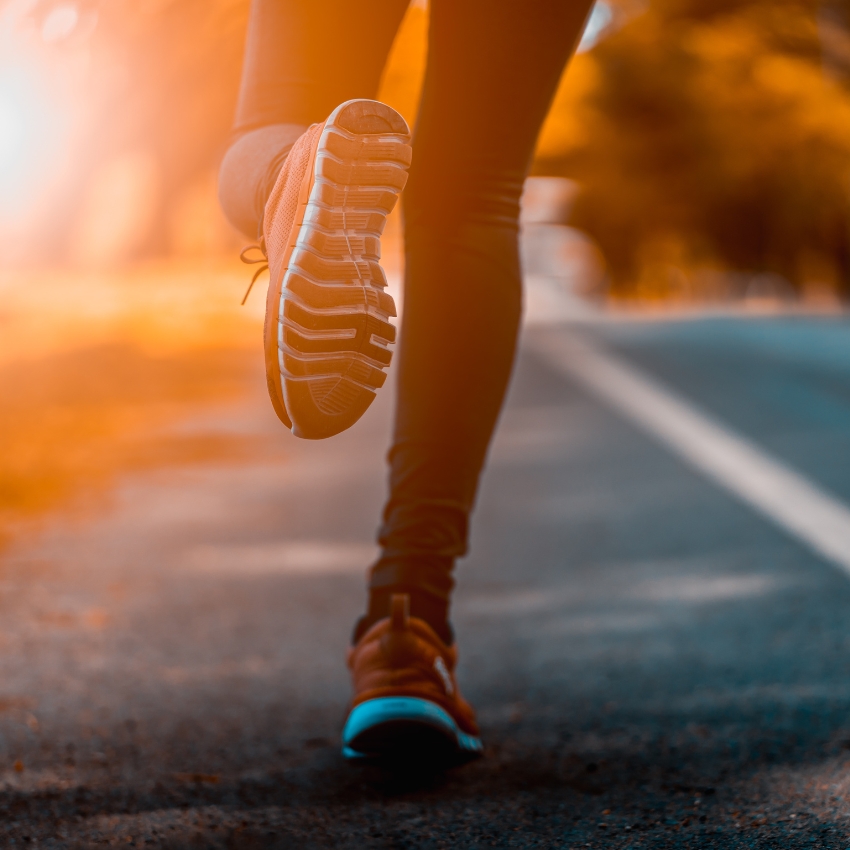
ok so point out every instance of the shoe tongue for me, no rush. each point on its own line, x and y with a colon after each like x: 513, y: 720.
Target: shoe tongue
x: 399, y: 611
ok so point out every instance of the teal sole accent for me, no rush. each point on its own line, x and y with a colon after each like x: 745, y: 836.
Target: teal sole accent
x: 402, y: 728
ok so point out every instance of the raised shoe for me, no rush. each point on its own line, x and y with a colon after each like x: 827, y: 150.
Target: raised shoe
x: 327, y: 328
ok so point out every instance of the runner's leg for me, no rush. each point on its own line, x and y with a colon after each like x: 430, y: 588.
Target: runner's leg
x: 493, y: 68
x: 302, y: 59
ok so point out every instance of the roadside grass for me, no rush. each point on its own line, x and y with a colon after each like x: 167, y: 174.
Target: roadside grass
x: 97, y: 370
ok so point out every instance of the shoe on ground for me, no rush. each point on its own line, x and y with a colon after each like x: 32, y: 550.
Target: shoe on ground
x: 327, y: 328
x: 407, y: 709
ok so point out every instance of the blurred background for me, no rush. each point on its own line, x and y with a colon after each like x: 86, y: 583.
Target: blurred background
x: 707, y: 141
x: 179, y: 574
x: 697, y: 156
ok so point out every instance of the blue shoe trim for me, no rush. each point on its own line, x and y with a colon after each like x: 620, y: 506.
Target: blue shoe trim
x: 469, y: 743
x: 375, y: 712
x: 348, y: 753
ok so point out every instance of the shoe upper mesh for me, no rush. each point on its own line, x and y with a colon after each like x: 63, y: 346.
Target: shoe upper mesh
x: 282, y: 204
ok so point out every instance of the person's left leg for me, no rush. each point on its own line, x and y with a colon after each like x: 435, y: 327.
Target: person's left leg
x: 316, y: 197
x: 302, y: 59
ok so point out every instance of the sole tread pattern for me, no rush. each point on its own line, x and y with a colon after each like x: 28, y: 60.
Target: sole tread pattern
x: 333, y: 319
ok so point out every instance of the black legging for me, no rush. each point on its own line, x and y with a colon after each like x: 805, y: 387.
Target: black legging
x: 493, y: 66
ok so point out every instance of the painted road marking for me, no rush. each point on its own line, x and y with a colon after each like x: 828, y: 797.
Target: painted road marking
x: 782, y: 495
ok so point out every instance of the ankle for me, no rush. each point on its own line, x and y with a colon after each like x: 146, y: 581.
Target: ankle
x: 425, y: 606
x: 248, y: 171
x: 287, y: 136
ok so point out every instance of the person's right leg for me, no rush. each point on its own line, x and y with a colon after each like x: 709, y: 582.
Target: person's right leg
x: 493, y: 68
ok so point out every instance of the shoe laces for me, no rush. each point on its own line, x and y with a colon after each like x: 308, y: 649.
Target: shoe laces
x: 248, y: 260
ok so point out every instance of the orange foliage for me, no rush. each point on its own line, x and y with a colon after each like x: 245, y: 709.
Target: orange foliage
x: 95, y: 373
x: 708, y: 140
x: 402, y: 80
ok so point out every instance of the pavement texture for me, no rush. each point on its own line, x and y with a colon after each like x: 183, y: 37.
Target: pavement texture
x: 654, y: 665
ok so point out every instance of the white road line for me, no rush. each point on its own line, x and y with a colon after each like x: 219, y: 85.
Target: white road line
x: 753, y: 476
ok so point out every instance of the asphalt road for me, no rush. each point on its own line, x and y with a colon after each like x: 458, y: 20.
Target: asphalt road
x: 654, y: 663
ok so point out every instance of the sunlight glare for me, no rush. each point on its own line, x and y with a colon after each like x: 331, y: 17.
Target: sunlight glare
x: 598, y: 22
x: 31, y: 136
x: 11, y: 131
x: 60, y: 23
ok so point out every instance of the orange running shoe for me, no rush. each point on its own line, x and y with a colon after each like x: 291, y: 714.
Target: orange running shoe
x: 327, y: 312
x: 406, y: 702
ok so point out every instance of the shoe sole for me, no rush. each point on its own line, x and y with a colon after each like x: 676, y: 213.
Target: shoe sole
x: 406, y: 730
x: 328, y: 348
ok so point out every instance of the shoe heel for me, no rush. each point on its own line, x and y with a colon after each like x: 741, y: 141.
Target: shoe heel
x: 370, y: 117
x: 403, y: 729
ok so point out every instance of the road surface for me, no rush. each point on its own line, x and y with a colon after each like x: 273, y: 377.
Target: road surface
x: 655, y: 662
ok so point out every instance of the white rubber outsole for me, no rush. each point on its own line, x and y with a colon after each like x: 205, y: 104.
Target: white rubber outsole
x: 331, y: 311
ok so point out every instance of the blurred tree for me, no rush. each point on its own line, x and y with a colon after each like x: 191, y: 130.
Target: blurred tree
x: 176, y: 66
x: 159, y: 87
x: 706, y: 135
x: 143, y: 81
x: 834, y: 26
